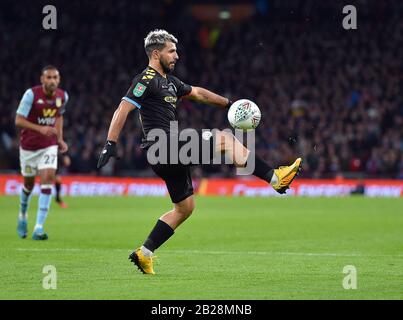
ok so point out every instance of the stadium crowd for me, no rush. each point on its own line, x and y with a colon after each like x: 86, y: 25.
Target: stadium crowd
x: 327, y: 94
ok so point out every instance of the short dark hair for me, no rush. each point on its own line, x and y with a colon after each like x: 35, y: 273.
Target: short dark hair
x: 48, y: 67
x: 156, y: 40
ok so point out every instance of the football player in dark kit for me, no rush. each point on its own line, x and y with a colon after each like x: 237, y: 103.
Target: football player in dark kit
x: 154, y: 93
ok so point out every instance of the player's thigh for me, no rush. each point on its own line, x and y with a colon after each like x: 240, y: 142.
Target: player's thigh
x: 178, y: 180
x: 29, y: 162
x: 47, y: 165
x: 226, y: 142
x: 198, y: 147
x: 217, y: 141
x: 48, y: 159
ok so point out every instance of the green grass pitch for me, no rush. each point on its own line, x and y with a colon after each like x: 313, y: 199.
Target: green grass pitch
x: 231, y: 248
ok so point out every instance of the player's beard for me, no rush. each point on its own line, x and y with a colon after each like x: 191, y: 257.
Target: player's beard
x: 165, y: 66
x: 50, y: 89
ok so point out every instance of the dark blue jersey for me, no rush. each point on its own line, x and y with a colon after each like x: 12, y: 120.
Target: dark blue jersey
x: 156, y: 98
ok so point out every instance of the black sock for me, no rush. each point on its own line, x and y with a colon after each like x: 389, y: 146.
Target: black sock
x: 161, y: 233
x: 58, y: 187
x: 262, y: 169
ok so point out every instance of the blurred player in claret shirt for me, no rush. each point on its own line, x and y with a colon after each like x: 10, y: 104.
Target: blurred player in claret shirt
x: 40, y: 116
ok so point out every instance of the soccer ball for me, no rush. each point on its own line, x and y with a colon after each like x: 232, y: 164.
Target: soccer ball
x: 244, y: 114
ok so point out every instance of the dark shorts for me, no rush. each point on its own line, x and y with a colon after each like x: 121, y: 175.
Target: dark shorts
x: 178, y: 180
x: 177, y: 175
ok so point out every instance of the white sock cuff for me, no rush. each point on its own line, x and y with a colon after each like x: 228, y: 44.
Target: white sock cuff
x: 46, y: 186
x: 274, y: 179
x: 146, y: 252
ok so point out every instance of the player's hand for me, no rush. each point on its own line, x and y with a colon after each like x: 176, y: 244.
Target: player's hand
x: 63, y: 147
x: 108, y: 151
x: 48, y: 131
x: 66, y: 161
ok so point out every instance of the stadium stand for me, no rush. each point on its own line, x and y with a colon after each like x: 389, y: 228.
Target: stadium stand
x: 328, y: 94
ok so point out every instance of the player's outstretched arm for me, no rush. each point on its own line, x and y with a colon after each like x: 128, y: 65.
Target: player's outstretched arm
x: 117, y: 123
x: 205, y: 96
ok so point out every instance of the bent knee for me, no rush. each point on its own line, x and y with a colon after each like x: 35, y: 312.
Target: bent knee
x: 48, y: 177
x: 185, y: 210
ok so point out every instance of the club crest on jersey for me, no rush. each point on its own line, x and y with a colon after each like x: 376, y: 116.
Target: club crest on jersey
x: 172, y: 88
x: 58, y: 102
x: 40, y: 101
x: 139, y: 89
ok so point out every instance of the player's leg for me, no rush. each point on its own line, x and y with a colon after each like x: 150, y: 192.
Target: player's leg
x: 179, y: 213
x: 279, y: 178
x: 162, y: 231
x: 58, y: 185
x: 58, y: 188
x: 166, y: 224
x: 179, y: 184
x: 25, y: 197
x: 47, y: 170
x: 28, y: 163
x: 47, y: 177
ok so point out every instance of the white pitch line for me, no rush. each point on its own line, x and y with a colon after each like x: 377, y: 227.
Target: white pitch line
x: 306, y: 254
x: 66, y: 249
x: 47, y: 249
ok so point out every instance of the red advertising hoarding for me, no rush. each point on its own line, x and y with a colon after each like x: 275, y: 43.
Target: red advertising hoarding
x: 112, y: 186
